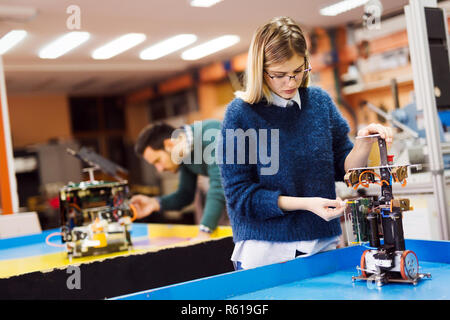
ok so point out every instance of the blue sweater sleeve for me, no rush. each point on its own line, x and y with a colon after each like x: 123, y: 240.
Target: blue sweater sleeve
x: 244, y: 195
x: 341, y: 142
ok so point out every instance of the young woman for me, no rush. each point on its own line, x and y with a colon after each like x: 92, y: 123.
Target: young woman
x: 292, y: 211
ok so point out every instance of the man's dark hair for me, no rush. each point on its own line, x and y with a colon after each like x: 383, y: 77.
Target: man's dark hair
x: 153, y: 136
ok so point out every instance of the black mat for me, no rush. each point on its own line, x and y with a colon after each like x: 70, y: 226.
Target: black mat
x: 124, y: 275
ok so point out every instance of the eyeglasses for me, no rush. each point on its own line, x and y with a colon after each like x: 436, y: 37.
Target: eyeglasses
x: 285, y: 79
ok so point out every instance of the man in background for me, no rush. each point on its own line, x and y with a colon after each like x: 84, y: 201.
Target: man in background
x: 171, y: 149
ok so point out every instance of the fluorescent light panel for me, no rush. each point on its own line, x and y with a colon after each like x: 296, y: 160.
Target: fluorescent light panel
x: 204, y: 3
x: 341, y: 7
x: 17, y: 13
x: 117, y: 46
x: 64, y: 44
x: 10, y: 39
x: 167, y: 46
x: 210, y: 47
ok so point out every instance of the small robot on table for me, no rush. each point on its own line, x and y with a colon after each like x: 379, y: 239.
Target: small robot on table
x: 376, y: 217
x: 96, y: 216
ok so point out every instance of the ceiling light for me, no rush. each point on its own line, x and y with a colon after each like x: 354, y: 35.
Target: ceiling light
x: 341, y: 7
x: 167, y: 46
x: 17, y: 13
x: 64, y: 44
x: 118, y: 46
x: 10, y: 39
x: 210, y: 47
x: 204, y: 3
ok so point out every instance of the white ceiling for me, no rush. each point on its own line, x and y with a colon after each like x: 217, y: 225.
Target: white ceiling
x: 77, y: 73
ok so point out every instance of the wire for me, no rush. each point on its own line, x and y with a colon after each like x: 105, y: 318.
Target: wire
x: 364, y: 244
x: 404, y: 182
x: 47, y: 241
x: 367, y: 185
x: 362, y: 173
x: 76, y: 207
x: 134, y: 210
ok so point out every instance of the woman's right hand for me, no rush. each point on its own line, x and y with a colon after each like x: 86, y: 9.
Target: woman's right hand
x: 327, y: 209
x: 144, y: 205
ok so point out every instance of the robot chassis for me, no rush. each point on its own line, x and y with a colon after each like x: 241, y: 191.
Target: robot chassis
x: 96, y: 216
x: 375, y: 217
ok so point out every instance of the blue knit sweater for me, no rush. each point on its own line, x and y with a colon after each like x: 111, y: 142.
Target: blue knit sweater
x: 313, y: 144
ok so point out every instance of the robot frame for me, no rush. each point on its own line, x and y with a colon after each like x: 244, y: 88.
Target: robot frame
x: 96, y: 216
x: 376, y: 217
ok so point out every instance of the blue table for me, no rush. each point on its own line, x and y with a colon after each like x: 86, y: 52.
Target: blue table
x: 31, y: 268
x: 325, y: 276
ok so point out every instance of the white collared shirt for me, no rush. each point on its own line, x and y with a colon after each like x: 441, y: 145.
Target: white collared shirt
x: 257, y: 253
x: 281, y: 102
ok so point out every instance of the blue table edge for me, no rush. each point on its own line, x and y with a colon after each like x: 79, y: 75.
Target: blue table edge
x: 237, y: 283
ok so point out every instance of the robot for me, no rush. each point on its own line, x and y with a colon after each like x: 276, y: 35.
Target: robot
x: 376, y: 218
x: 96, y: 216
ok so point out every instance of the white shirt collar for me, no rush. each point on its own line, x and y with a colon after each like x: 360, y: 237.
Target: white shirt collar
x: 281, y: 102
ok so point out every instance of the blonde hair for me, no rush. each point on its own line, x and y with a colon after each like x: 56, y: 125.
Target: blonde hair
x: 273, y: 43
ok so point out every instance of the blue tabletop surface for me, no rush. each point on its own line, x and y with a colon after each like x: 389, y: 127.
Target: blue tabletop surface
x: 339, y: 286
x: 34, y: 245
x: 324, y: 276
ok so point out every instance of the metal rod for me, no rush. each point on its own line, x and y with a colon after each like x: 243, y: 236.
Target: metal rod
x: 389, y: 118
x: 416, y: 27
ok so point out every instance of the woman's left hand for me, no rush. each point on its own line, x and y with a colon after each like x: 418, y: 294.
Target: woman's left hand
x: 376, y: 128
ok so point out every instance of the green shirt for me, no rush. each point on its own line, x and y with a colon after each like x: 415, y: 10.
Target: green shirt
x: 196, y: 164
